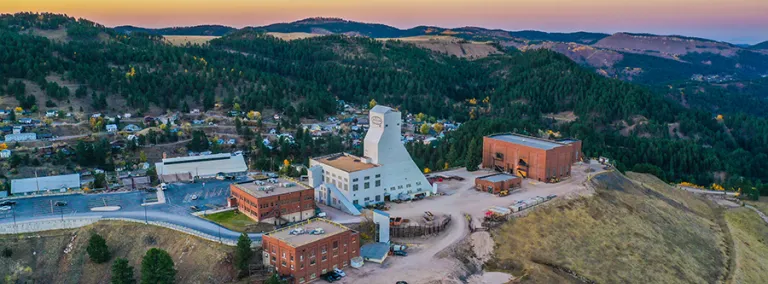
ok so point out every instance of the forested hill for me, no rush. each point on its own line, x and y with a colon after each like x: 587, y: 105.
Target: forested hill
x: 641, y: 130
x: 762, y: 45
x: 202, y: 30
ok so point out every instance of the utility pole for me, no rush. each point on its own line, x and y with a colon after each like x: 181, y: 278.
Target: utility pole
x: 146, y: 221
x: 15, y: 227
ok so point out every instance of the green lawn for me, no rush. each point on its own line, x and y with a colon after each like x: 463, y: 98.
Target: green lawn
x: 235, y: 221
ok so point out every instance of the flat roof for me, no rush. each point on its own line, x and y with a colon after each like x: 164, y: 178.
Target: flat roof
x: 206, y: 165
x: 499, y: 177
x: 527, y: 141
x: 45, y: 183
x: 330, y: 228
x: 262, y: 188
x: 345, y: 162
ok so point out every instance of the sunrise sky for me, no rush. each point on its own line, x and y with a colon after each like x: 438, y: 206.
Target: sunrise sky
x: 737, y: 21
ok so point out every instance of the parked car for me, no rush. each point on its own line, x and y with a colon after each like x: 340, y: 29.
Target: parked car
x: 331, y: 277
x: 5, y: 208
x: 193, y: 197
x: 340, y: 272
x: 401, y: 282
x: 60, y: 203
x: 8, y: 203
x: 400, y: 253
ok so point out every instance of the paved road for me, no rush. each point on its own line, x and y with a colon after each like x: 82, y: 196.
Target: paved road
x: 705, y: 191
x: 179, y: 197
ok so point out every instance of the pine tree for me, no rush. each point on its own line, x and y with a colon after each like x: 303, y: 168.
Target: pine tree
x: 157, y: 267
x: 97, y: 249
x: 243, y: 253
x: 472, y: 158
x: 122, y: 272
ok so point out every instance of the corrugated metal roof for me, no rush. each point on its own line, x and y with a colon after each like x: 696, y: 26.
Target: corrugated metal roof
x: 527, y: 141
x: 208, y: 165
x: 45, y: 183
x: 499, y: 177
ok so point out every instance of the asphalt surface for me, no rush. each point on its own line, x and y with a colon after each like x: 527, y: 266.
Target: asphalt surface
x: 177, y: 209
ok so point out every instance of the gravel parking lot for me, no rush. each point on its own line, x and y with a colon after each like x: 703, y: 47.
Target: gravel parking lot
x: 425, y: 262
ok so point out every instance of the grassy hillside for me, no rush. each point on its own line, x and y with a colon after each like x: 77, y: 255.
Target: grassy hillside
x: 750, y: 236
x: 41, y: 257
x: 625, y: 233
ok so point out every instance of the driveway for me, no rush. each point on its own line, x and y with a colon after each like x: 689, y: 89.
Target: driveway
x: 177, y: 209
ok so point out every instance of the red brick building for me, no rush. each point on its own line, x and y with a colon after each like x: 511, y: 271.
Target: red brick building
x: 530, y: 157
x: 497, y: 182
x: 276, y: 202
x: 309, y: 249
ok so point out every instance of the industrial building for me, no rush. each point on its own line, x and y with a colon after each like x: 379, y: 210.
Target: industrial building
x: 274, y: 201
x: 530, y: 157
x: 50, y: 184
x: 385, y: 172
x: 497, y: 183
x: 304, y: 251
x: 18, y: 137
x: 200, y: 167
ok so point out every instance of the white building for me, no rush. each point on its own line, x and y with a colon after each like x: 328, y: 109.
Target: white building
x: 385, y: 172
x: 50, y: 184
x: 5, y: 154
x: 111, y: 128
x: 203, y: 167
x: 20, y: 137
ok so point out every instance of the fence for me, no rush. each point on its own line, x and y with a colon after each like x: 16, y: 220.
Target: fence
x: 420, y: 230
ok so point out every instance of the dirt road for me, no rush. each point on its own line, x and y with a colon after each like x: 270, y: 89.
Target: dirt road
x: 425, y: 263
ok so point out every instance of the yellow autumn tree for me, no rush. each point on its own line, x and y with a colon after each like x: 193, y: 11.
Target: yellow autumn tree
x: 486, y: 100
x: 719, y: 117
x: 717, y: 187
x: 254, y: 115
x: 438, y: 127
x: 421, y: 117
x: 427, y: 170
x: 286, y: 163
x: 18, y: 109
x: 372, y: 103
x: 425, y: 129
x: 3, y: 146
x: 472, y: 101
x: 472, y: 114
x: 446, y: 166
x: 236, y: 107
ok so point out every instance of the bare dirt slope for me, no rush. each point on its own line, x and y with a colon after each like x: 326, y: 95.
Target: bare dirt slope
x: 664, y: 46
x: 749, y: 234
x: 183, y: 40
x: 451, y: 46
x: 625, y: 233
x: 41, y: 257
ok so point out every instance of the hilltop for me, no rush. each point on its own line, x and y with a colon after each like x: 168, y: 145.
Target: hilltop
x: 611, y: 236
x: 762, y: 45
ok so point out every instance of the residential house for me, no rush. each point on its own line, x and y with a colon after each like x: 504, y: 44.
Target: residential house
x: 111, y: 128
x: 51, y: 113
x: 20, y: 137
x: 131, y: 128
x: 18, y: 129
x: 25, y: 120
x: 5, y: 154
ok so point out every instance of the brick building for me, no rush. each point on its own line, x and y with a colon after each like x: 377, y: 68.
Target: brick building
x: 277, y: 202
x: 497, y: 182
x: 306, y: 250
x: 530, y: 157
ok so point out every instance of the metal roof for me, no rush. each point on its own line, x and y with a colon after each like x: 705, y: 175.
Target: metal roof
x: 499, y: 177
x: 207, y: 165
x: 527, y: 141
x: 264, y: 188
x: 45, y: 183
x: 330, y: 228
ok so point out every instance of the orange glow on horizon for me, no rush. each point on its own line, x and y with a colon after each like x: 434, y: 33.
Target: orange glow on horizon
x: 717, y: 19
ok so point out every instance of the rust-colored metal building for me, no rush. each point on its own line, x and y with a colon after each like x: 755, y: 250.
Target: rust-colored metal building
x: 277, y: 202
x: 497, y: 182
x: 530, y: 157
x: 306, y: 250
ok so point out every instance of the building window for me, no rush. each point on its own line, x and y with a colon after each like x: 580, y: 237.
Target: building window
x: 292, y: 267
x: 367, y: 185
x: 378, y: 175
x: 284, y: 263
x: 325, y: 257
x: 408, y: 185
x: 355, y: 201
x: 283, y: 254
x: 324, y: 249
x: 399, y: 187
x: 346, y: 187
x: 354, y: 179
x: 343, y: 264
x: 418, y: 183
x: 354, y: 187
x: 367, y: 177
x: 378, y: 183
x: 313, y: 276
x: 291, y: 258
x: 335, y: 244
x: 378, y: 198
x: 366, y: 199
x: 311, y: 261
x: 274, y: 258
x: 324, y: 271
x: 301, y: 280
x: 392, y: 188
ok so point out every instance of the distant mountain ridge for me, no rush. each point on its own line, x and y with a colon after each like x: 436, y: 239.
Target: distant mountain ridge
x: 201, y: 30
x: 641, y: 57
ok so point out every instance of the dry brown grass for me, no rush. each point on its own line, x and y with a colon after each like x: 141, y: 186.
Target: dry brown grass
x: 451, y: 45
x: 293, y: 36
x: 750, y: 235
x: 183, y: 40
x: 622, y: 234
x: 40, y: 257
